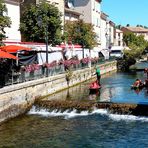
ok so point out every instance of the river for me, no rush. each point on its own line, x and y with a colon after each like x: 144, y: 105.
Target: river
x: 69, y: 129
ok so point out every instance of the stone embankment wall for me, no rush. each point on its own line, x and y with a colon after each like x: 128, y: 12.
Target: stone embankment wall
x: 17, y: 99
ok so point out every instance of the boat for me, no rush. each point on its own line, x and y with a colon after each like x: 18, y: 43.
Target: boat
x: 94, y: 87
x: 137, y: 84
x: 137, y: 87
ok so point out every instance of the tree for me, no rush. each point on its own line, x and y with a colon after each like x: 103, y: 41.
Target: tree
x: 81, y: 33
x: 128, y: 38
x: 138, y: 45
x: 128, y: 25
x: 39, y: 21
x: 118, y: 26
x: 4, y: 20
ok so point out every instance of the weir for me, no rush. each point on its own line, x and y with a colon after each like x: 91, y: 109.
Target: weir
x: 114, y: 108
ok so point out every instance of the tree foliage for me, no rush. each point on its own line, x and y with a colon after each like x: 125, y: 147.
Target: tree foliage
x: 4, y: 20
x: 137, y: 46
x: 39, y: 21
x: 81, y: 33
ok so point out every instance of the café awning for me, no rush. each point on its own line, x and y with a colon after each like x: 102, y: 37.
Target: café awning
x: 7, y: 55
x: 14, y: 48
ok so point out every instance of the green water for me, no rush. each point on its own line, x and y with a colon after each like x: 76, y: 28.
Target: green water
x: 42, y: 129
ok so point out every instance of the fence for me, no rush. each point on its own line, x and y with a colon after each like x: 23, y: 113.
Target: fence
x: 27, y: 74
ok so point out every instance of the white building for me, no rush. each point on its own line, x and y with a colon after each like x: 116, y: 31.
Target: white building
x: 13, y: 33
x: 90, y: 10
x: 112, y: 34
x: 71, y: 15
x: 107, y: 34
x: 104, y: 30
x: 118, y: 38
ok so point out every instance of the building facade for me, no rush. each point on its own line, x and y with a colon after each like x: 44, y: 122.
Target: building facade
x: 118, y: 38
x: 136, y: 31
x: 112, y: 34
x: 13, y: 33
x: 104, y: 30
x: 91, y: 13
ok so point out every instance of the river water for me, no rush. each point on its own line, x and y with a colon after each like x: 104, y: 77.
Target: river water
x: 69, y: 129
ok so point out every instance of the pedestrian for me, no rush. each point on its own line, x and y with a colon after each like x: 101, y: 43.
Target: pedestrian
x: 98, y: 74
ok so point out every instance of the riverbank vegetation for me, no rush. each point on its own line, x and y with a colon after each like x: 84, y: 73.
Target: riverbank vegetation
x: 138, y: 46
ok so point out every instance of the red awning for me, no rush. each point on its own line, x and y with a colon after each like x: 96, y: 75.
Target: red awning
x: 7, y: 55
x: 13, y: 48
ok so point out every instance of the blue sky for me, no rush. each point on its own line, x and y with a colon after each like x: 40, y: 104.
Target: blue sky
x: 124, y: 12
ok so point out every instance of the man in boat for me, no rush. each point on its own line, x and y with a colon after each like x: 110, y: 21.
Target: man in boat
x: 138, y: 83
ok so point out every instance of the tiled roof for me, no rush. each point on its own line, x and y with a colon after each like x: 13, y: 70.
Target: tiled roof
x: 119, y: 31
x: 137, y: 29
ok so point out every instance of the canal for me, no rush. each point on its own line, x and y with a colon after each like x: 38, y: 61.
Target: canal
x: 41, y: 128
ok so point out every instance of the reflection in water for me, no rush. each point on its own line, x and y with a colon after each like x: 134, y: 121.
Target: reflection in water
x: 94, y: 94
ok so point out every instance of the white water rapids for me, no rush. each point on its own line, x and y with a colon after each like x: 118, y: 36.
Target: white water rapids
x: 71, y: 114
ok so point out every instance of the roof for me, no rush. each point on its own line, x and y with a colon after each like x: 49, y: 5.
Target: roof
x: 119, y: 31
x: 112, y: 23
x: 137, y: 29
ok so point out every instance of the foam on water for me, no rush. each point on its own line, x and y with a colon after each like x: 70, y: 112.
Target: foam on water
x: 130, y: 118
x: 67, y: 114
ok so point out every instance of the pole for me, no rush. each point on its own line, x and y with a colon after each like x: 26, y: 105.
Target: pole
x: 90, y: 58
x: 46, y: 40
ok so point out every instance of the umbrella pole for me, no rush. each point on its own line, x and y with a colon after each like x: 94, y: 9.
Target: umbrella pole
x: 12, y: 72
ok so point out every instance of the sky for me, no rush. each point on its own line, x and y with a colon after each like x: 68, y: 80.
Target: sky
x: 123, y: 12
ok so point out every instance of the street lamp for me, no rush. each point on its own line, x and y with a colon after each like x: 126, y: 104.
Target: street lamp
x: 39, y: 22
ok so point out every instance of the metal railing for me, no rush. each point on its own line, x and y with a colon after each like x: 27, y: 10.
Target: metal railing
x: 24, y: 76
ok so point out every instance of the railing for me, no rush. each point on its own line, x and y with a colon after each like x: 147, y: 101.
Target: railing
x: 24, y: 76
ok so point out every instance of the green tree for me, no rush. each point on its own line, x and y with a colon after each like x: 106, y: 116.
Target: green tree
x: 128, y: 25
x: 81, y: 33
x: 138, y: 45
x: 128, y: 38
x: 39, y: 21
x: 4, y: 20
x: 118, y: 26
